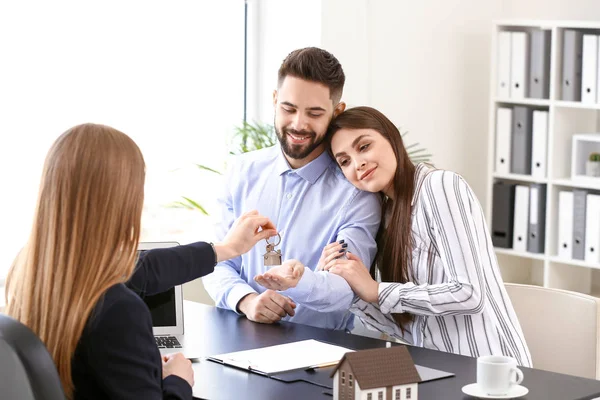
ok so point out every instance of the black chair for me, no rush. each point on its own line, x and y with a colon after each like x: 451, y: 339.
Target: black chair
x: 26, y: 368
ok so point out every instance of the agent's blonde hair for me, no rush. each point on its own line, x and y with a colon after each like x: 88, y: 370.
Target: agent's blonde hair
x: 84, y: 237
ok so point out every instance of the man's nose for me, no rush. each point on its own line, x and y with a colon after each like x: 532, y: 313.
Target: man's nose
x: 299, y: 122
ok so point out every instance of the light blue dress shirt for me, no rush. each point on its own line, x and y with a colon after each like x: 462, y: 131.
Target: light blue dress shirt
x: 311, y: 207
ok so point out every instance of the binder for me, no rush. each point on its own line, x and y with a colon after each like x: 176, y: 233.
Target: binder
x: 503, y: 214
x: 539, y: 67
x: 539, y: 144
x: 565, y: 224
x: 589, y: 69
x: 503, y: 136
x: 537, y: 218
x: 571, y: 66
x: 598, y: 73
x: 503, y: 87
x: 521, y: 140
x: 592, y: 229
x: 521, y: 220
x: 519, y: 66
x: 579, y: 209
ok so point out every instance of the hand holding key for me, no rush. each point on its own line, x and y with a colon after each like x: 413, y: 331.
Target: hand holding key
x: 282, y: 277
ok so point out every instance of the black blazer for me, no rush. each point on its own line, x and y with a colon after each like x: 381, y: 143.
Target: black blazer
x: 117, y: 356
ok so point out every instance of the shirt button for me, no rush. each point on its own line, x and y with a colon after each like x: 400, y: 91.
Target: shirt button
x: 289, y: 196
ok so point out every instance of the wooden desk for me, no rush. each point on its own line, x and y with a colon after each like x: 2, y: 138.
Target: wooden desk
x: 218, y: 331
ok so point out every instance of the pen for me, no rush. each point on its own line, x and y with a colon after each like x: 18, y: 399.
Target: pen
x: 328, y: 364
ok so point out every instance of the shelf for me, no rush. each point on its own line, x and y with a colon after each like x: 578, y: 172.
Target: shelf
x: 524, y: 254
x: 527, y: 102
x: 576, y: 104
x: 579, y: 184
x: 519, y: 177
x: 577, y: 263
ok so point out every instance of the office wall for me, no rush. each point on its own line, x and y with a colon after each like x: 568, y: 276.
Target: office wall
x: 426, y: 66
x: 586, y: 10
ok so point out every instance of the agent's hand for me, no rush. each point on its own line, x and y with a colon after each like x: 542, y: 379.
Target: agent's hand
x: 330, y: 253
x: 246, y: 231
x: 176, y: 364
x: 357, y: 275
x: 282, y: 277
x: 267, y: 307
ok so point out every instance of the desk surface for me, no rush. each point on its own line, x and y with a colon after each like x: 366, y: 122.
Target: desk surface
x: 216, y: 331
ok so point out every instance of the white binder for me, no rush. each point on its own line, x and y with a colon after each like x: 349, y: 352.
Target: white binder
x: 519, y: 66
x: 589, y: 69
x: 503, y: 137
x: 565, y: 224
x: 592, y: 229
x: 598, y: 73
x: 539, y: 144
x: 521, y: 222
x: 503, y: 87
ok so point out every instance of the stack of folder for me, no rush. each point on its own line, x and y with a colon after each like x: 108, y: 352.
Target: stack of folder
x: 524, y: 64
x: 519, y: 217
x: 580, y: 67
x: 521, y: 141
x: 579, y: 225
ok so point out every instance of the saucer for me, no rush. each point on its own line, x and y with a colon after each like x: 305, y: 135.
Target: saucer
x: 475, y: 391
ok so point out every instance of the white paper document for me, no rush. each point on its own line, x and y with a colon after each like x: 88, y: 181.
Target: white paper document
x: 284, y: 357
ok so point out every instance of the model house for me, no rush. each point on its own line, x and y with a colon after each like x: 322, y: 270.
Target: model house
x: 376, y: 374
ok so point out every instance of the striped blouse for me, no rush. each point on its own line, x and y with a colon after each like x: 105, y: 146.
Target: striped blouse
x: 456, y: 293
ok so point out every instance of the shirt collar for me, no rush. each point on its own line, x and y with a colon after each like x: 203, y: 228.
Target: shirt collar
x: 310, y: 172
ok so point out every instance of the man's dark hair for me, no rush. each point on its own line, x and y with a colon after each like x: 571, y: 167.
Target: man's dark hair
x: 315, y: 65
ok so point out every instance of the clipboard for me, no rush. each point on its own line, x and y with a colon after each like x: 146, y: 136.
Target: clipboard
x: 271, y: 360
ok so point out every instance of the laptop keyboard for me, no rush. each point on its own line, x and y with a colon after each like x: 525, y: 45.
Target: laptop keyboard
x: 167, y: 342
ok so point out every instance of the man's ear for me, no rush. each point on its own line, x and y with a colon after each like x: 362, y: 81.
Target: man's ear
x: 339, y: 109
x: 274, y: 97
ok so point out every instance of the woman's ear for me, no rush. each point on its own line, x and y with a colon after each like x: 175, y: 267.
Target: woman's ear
x: 339, y: 109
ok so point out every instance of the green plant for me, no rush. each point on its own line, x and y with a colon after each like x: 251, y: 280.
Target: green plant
x: 255, y: 136
x: 595, y: 157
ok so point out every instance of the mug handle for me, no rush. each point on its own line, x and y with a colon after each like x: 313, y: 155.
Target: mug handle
x: 519, y: 374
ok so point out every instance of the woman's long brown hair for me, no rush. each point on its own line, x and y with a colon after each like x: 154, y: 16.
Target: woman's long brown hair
x: 83, y: 240
x: 394, y: 241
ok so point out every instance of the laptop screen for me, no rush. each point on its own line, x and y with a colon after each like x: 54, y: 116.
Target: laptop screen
x: 162, y: 307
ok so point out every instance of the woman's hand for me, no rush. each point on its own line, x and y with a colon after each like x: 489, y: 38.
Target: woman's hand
x: 357, y: 275
x: 246, y: 231
x: 330, y: 253
x: 177, y: 364
x: 282, y: 277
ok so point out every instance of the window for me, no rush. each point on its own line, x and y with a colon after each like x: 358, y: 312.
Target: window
x: 349, y: 380
x: 343, y: 377
x: 370, y: 396
x: 398, y: 393
x: 170, y: 76
x: 380, y: 395
x: 408, y: 393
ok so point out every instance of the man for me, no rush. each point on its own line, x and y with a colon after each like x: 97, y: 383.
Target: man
x: 299, y: 187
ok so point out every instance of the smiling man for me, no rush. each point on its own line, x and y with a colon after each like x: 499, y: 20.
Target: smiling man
x: 300, y: 188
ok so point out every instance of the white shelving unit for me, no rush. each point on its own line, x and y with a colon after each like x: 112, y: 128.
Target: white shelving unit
x: 565, y: 118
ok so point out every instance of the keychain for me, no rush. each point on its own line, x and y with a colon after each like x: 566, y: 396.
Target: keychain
x: 272, y: 257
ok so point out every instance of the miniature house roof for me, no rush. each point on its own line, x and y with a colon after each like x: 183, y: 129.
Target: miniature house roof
x: 376, y: 368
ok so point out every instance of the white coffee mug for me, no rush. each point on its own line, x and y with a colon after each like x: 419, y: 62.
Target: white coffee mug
x: 496, y: 375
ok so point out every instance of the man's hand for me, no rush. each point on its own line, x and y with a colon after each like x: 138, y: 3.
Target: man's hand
x: 282, y: 277
x: 267, y: 307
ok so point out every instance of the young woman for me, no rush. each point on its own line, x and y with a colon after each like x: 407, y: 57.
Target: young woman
x: 441, y: 286
x: 71, y: 284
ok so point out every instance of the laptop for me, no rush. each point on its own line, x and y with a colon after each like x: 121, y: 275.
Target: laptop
x: 167, y: 312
